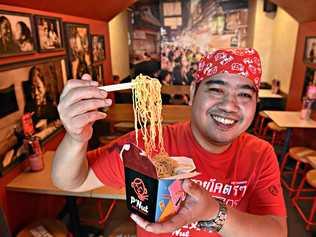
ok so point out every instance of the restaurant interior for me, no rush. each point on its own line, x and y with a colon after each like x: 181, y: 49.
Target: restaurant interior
x: 45, y: 43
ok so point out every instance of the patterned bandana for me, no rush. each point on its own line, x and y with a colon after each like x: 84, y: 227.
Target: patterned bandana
x: 241, y: 61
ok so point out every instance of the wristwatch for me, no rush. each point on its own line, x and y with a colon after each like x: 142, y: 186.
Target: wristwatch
x: 216, y: 224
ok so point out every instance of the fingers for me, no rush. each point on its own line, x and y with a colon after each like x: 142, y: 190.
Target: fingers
x: 74, y: 83
x: 82, y: 93
x: 171, y: 225
x: 191, y: 188
x: 80, y: 121
x: 140, y: 221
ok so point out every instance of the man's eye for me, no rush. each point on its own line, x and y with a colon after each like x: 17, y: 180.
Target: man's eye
x: 216, y: 90
x: 245, y: 95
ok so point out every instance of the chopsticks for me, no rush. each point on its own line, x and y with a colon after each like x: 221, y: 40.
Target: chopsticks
x: 116, y: 87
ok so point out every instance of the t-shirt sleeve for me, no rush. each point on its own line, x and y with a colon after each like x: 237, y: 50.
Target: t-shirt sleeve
x: 107, y: 164
x: 267, y: 195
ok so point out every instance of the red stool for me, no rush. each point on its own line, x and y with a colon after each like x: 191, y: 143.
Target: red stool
x: 277, y: 133
x: 298, y: 154
x: 262, y: 117
x: 308, y: 218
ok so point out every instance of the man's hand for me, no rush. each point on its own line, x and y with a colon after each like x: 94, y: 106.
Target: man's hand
x: 78, y: 107
x: 199, y: 205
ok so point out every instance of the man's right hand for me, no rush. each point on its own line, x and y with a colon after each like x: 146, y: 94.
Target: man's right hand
x: 78, y: 107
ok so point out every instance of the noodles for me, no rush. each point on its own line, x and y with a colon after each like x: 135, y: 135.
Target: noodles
x: 147, y: 106
x: 165, y: 166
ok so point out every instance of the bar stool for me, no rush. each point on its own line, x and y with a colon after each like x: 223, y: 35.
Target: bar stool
x: 262, y: 117
x: 298, y: 154
x: 277, y: 133
x: 310, y: 178
x: 54, y: 227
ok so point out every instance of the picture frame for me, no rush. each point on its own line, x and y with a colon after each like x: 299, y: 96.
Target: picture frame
x: 98, y: 48
x: 310, y: 49
x: 49, y: 32
x: 29, y: 87
x: 98, y: 73
x: 78, y: 49
x: 18, y: 34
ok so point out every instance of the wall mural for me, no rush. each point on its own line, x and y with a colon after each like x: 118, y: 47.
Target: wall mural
x: 179, y: 33
x: 30, y: 87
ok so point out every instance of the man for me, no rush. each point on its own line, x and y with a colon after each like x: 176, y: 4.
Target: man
x: 235, y: 167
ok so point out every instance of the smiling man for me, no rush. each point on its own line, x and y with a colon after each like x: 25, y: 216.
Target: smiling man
x: 237, y: 192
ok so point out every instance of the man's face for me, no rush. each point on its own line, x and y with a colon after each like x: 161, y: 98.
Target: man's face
x: 222, y: 108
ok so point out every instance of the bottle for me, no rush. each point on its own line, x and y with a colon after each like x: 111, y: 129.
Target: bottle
x: 36, y: 155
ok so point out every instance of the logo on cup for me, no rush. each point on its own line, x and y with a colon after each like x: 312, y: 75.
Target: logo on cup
x: 140, y: 189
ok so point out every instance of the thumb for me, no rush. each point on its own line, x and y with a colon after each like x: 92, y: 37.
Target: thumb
x: 191, y: 188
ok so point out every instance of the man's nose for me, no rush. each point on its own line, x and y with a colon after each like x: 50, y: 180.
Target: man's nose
x: 229, y: 103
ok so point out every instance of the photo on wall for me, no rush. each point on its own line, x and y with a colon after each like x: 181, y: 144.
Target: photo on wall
x: 98, y: 74
x: 16, y: 34
x: 310, y: 50
x: 98, y: 48
x: 49, y: 33
x: 78, y: 49
x: 29, y: 87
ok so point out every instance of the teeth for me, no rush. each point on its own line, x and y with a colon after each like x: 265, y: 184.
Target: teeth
x: 223, y: 120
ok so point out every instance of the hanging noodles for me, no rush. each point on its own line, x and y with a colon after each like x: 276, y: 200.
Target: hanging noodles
x: 147, y: 106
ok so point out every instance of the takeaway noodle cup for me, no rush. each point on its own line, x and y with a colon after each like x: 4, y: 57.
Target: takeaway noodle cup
x: 154, y: 199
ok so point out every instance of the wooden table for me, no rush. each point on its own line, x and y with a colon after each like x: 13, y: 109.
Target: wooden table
x: 41, y: 183
x: 267, y: 93
x: 289, y: 120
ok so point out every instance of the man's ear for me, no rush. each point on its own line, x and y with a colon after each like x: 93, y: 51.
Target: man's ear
x: 193, y: 87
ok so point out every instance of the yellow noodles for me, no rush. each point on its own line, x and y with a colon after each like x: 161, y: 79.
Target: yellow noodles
x: 147, y: 107
x: 165, y: 166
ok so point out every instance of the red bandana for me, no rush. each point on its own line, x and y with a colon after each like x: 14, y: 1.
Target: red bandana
x: 241, y: 61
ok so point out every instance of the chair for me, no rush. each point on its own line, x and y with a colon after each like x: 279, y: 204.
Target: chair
x: 54, y: 227
x: 277, y: 133
x: 298, y: 154
x: 262, y: 117
x: 308, y: 218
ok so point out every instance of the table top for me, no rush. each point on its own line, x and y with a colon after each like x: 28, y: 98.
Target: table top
x: 290, y: 119
x: 312, y: 161
x: 267, y: 93
x: 41, y: 182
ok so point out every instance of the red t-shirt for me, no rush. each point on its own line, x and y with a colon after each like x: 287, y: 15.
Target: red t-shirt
x: 246, y: 176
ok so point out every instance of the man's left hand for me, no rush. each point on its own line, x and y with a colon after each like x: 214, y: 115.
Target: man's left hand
x: 198, y: 205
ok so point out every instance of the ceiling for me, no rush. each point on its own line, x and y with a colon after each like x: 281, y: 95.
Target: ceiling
x: 302, y: 11
x: 103, y: 10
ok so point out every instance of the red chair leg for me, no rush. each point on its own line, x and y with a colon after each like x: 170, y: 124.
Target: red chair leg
x: 104, y: 216
x: 283, y: 163
x: 293, y: 180
x: 311, y: 216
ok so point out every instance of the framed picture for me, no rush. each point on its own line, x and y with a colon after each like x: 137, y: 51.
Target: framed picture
x: 310, y: 50
x: 28, y: 87
x: 78, y: 49
x: 98, y: 73
x: 49, y: 33
x: 98, y: 48
x: 17, y: 34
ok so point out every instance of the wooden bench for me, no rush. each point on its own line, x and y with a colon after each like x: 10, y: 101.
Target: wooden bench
x: 175, y: 90
x: 170, y: 113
